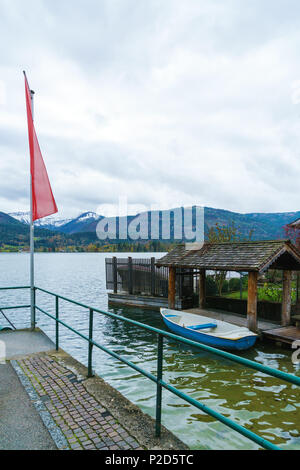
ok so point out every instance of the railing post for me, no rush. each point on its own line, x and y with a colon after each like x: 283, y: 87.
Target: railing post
x: 56, y: 324
x: 159, y: 387
x: 90, y: 370
x: 32, y: 303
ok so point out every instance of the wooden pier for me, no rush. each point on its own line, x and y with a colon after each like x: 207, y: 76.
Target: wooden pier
x: 285, y: 334
x: 139, y: 301
x: 233, y: 318
x: 266, y: 329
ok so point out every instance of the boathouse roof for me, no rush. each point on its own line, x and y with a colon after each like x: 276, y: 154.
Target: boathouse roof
x: 236, y: 256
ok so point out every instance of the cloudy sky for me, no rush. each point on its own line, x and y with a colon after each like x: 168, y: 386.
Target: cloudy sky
x: 165, y: 102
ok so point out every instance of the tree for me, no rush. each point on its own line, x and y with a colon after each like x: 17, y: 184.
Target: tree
x: 234, y: 284
x: 293, y: 234
x: 225, y: 234
x: 211, y: 287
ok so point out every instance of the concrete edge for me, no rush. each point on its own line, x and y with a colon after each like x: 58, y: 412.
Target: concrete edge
x: 54, y: 431
x: 139, y: 424
x: 26, y: 330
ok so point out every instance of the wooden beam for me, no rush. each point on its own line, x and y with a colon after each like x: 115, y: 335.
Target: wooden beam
x: 202, y: 288
x: 152, y: 276
x: 286, y: 298
x: 252, y: 301
x: 297, y: 291
x: 130, y: 280
x: 172, y: 287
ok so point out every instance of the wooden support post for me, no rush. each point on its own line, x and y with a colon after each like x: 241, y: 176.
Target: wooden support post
x: 172, y: 287
x: 241, y: 287
x: 286, y: 298
x: 152, y: 276
x: 115, y: 274
x: 297, y: 292
x: 202, y: 288
x: 130, y: 280
x: 252, y: 301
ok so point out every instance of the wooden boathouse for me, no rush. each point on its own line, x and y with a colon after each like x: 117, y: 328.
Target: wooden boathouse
x: 252, y: 257
x: 139, y: 282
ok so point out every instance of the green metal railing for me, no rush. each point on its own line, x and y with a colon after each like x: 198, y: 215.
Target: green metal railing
x: 158, y: 378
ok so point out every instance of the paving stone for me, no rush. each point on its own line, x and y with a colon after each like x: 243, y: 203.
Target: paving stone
x: 85, y: 422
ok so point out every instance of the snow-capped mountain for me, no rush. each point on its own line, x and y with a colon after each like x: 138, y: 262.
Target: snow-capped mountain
x: 85, y: 222
x: 53, y: 222
x: 21, y: 216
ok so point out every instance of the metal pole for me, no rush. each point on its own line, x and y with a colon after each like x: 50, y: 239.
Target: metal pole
x: 159, y: 387
x: 90, y: 369
x: 56, y: 324
x: 13, y: 327
x: 32, y: 300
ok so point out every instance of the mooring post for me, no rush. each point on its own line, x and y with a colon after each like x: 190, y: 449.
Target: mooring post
x: 90, y: 356
x: 159, y: 387
x: 252, y: 301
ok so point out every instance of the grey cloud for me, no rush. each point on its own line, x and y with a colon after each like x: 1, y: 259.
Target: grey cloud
x: 158, y: 100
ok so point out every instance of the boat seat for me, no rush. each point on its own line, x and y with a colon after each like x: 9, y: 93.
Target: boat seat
x: 202, y: 326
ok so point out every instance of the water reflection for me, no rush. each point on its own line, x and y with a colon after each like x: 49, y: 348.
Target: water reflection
x: 263, y: 404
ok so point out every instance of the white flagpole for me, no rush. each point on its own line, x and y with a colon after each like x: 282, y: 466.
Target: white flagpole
x: 32, y: 291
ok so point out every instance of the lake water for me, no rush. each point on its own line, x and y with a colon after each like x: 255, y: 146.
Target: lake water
x: 263, y: 404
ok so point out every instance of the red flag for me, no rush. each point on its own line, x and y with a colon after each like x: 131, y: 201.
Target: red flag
x: 43, y: 202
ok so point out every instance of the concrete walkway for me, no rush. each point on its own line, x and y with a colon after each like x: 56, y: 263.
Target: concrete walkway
x: 21, y: 427
x: 21, y: 342
x: 47, y: 402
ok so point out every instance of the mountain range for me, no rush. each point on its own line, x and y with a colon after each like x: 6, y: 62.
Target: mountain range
x: 79, y: 233
x: 14, y: 236
x: 264, y: 225
x: 65, y: 225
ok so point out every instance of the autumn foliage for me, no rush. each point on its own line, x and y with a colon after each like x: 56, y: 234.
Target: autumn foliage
x: 293, y: 234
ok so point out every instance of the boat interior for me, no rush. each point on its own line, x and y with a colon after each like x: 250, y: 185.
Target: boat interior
x: 206, y: 325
